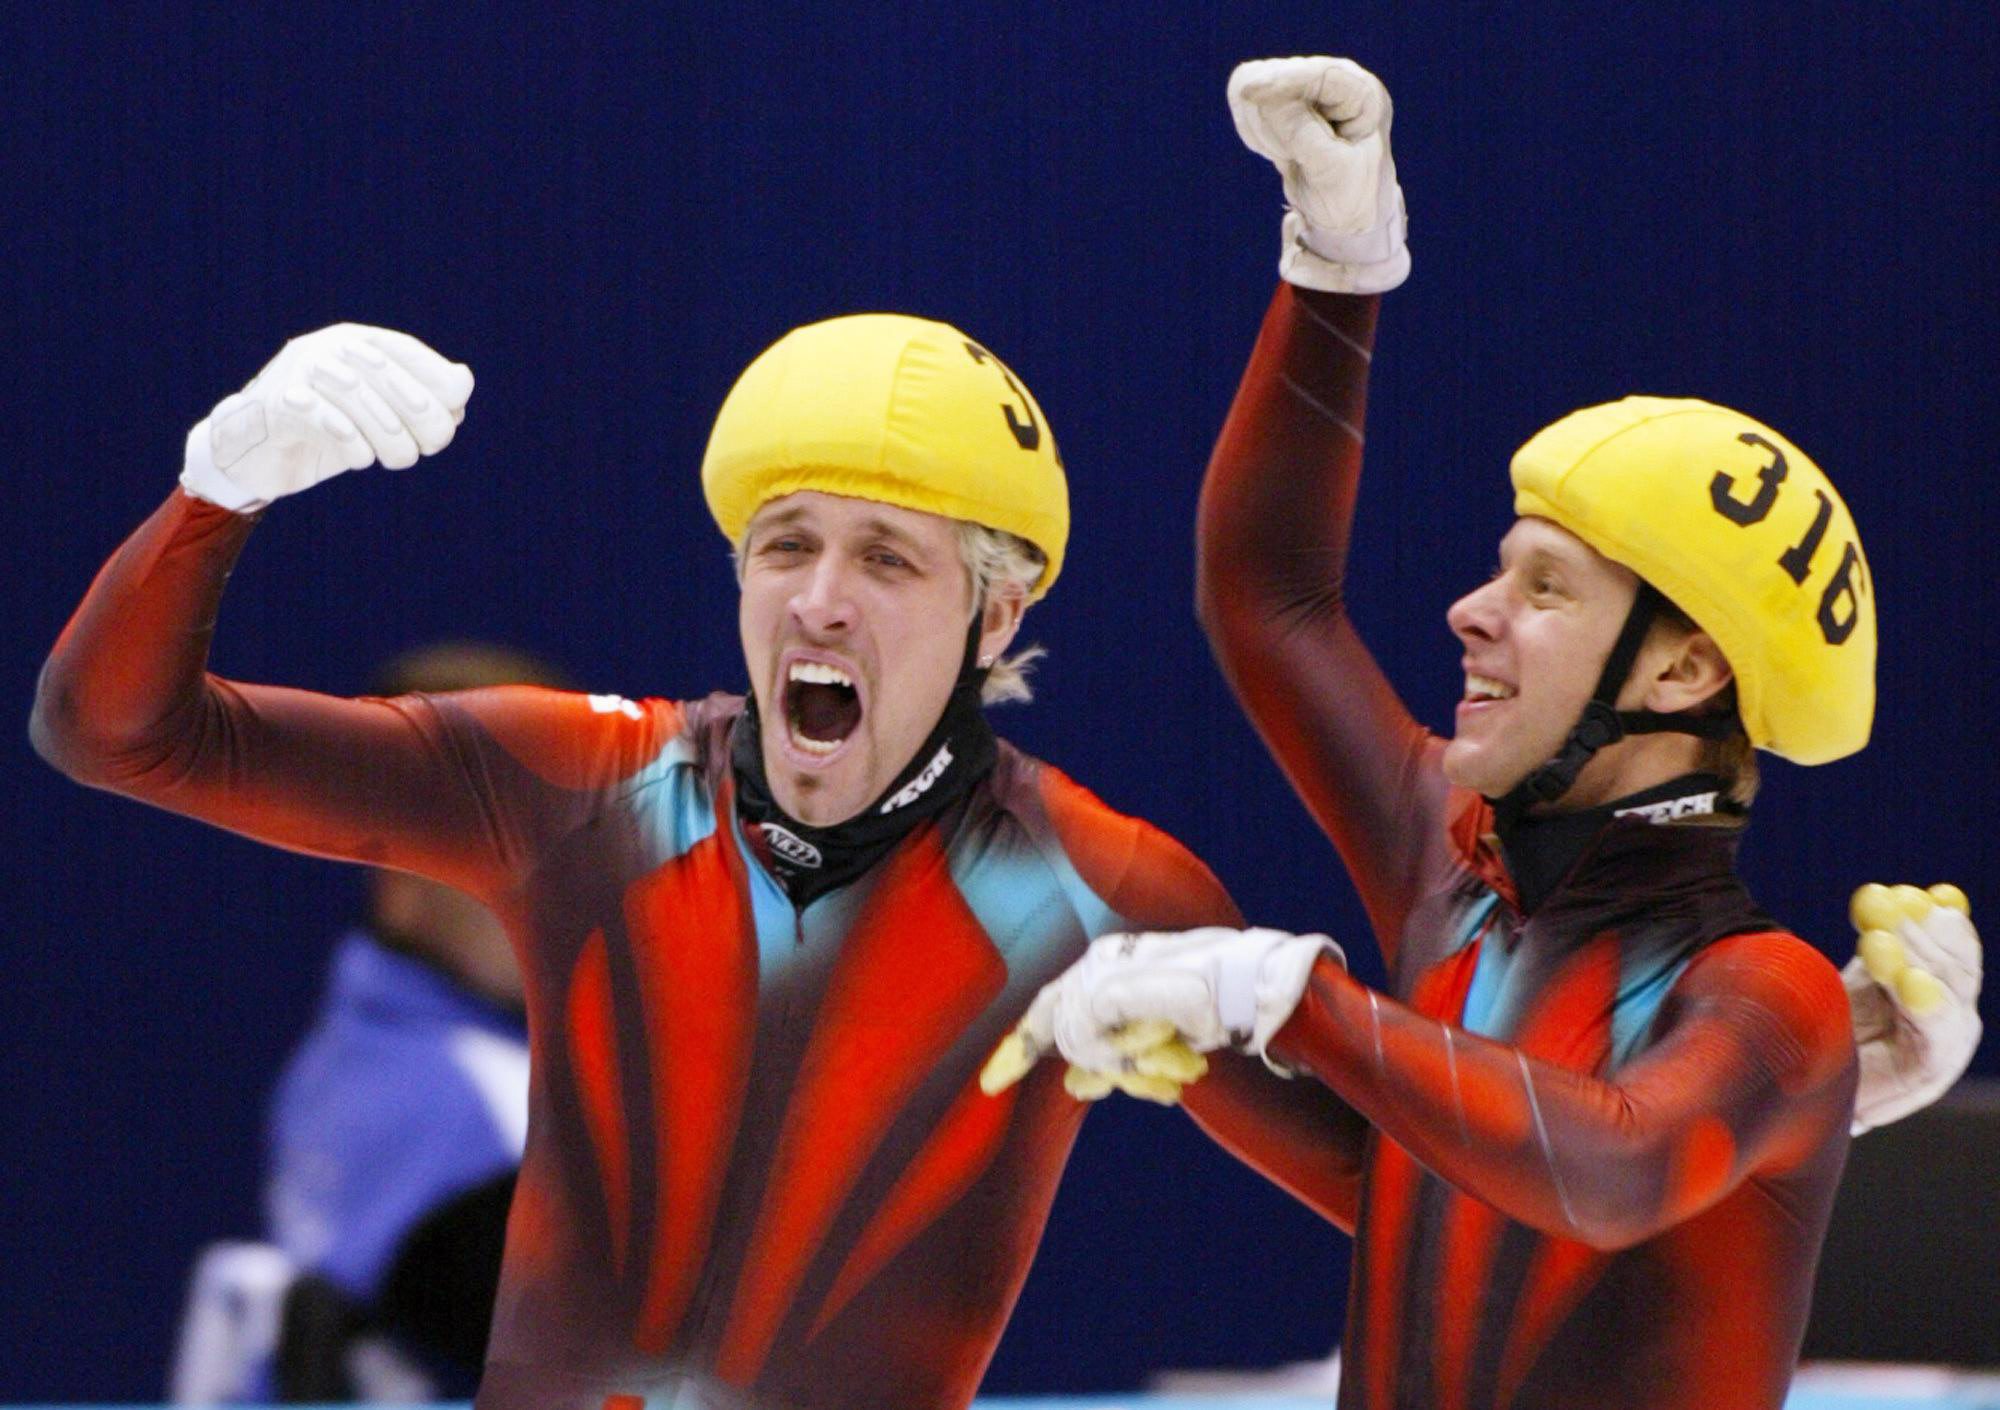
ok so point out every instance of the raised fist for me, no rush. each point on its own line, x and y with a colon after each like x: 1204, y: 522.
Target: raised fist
x: 1324, y: 123
x: 341, y: 398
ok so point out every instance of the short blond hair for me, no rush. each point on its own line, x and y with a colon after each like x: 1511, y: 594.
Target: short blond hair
x: 994, y: 557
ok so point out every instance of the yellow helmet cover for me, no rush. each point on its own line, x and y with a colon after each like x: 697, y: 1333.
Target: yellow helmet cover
x: 899, y: 410
x: 1743, y: 532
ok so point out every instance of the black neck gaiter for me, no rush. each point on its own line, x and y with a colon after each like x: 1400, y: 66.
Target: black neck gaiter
x: 1542, y: 849
x: 810, y: 861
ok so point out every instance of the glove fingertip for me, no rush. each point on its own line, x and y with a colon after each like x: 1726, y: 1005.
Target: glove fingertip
x: 1883, y: 955
x: 330, y: 419
x: 455, y: 384
x: 1086, y: 1086
x: 1010, y: 1062
x: 1950, y: 896
x: 1252, y: 88
x: 1142, y: 1034
x: 1920, y: 991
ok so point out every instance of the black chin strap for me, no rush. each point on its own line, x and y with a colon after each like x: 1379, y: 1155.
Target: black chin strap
x: 1602, y: 723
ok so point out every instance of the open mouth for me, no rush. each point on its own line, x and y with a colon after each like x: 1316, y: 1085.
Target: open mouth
x: 822, y: 707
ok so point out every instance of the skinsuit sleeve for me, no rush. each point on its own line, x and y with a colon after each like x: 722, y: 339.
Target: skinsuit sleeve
x: 1276, y: 511
x: 1751, y: 1063
x: 126, y: 703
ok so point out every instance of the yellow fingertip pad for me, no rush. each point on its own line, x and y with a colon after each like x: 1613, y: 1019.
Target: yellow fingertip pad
x: 1174, y: 1060
x: 1920, y: 990
x: 1009, y: 1064
x: 1882, y: 953
x: 1879, y: 907
x: 1914, y: 901
x: 1163, y: 1090
x: 1086, y: 1086
x: 1945, y: 894
x: 1142, y: 1035
x: 1873, y: 908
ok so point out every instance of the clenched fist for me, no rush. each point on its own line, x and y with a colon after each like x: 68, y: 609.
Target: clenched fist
x: 1324, y: 123
x: 1913, y: 986
x: 341, y: 398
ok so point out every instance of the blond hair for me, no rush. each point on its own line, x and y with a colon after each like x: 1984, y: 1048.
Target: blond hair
x: 996, y: 558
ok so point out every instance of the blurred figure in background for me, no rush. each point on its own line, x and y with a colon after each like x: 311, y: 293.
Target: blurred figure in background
x: 397, y: 1128
x: 395, y: 1135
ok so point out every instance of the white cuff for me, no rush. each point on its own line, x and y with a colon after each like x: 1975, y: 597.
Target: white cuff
x: 201, y: 478
x: 1373, y: 262
x: 1281, y: 986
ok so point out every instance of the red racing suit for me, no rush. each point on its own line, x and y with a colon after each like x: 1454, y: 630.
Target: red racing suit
x: 759, y: 1169
x: 1605, y: 1134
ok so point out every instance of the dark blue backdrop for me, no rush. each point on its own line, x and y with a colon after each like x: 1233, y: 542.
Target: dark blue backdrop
x: 1783, y: 206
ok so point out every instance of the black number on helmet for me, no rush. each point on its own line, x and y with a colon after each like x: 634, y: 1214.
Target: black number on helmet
x: 1028, y: 432
x: 1797, y: 560
x: 1840, y: 603
x: 1835, y: 624
x: 1768, y: 478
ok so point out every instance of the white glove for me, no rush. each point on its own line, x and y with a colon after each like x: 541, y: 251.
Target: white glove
x: 1132, y: 1001
x: 337, y: 399
x: 1325, y: 124
x: 1913, y: 986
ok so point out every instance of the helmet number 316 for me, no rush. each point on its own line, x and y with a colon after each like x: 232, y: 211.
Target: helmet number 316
x: 1839, y: 604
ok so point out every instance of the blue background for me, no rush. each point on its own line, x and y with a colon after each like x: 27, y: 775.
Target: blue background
x: 608, y: 211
